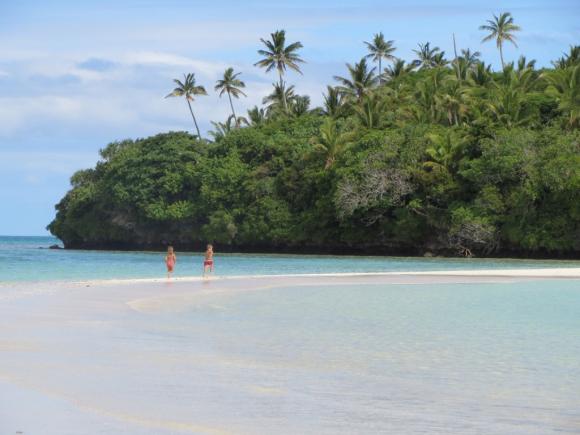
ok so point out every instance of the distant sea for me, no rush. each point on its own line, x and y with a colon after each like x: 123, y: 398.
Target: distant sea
x: 24, y: 258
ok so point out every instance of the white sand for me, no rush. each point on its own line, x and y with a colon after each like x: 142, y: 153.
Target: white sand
x: 87, y: 357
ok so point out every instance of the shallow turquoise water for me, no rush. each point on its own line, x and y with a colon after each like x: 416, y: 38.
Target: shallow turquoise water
x: 361, y: 357
x: 21, y: 259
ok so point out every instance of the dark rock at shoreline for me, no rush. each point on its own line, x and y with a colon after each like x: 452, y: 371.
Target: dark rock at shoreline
x: 54, y: 247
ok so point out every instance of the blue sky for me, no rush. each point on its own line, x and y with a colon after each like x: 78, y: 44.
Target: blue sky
x: 75, y: 75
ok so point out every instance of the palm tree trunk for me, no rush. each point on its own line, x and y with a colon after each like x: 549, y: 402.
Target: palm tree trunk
x: 456, y: 62
x: 232, y: 106
x: 501, y: 56
x: 194, y: 120
x: 380, y: 73
x: 283, y: 93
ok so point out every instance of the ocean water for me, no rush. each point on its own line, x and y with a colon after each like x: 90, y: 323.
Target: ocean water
x: 27, y: 259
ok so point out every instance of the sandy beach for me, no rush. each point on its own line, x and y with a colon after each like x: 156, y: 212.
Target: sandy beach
x: 232, y: 355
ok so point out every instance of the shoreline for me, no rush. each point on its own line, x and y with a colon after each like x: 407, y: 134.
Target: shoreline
x: 543, y: 273
x: 137, y: 356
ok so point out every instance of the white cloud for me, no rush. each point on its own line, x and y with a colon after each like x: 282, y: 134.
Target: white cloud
x: 25, y: 113
x: 34, y: 166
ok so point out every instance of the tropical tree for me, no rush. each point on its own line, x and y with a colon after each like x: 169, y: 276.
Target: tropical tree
x: 571, y: 58
x: 371, y: 112
x: 279, y: 56
x: 257, y: 115
x: 445, y: 149
x: 481, y: 75
x: 231, y: 85
x: 470, y: 58
x: 564, y: 85
x: 524, y: 64
x: 280, y: 99
x: 331, y: 141
x: 398, y: 69
x: 221, y: 129
x: 361, y: 80
x: 428, y: 57
x: 380, y: 49
x: 501, y: 29
x: 333, y: 102
x: 453, y: 101
x: 301, y: 105
x: 189, y: 90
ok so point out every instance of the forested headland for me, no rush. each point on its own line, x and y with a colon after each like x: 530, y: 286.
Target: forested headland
x: 439, y: 155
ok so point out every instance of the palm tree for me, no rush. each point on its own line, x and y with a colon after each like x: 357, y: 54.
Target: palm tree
x: 301, y: 105
x: 278, y: 55
x: 231, y: 85
x: 257, y: 116
x: 188, y: 89
x: 279, y: 98
x: 221, y: 129
x: 427, y: 57
x: 333, y: 102
x: 380, y: 49
x: 524, y: 64
x: 501, y: 29
x: 470, y: 58
x: 331, y: 141
x: 569, y: 59
x: 453, y: 102
x: 371, y: 111
x: 445, y: 150
x: 466, y: 63
x: 564, y: 85
x: 361, y: 80
x: 398, y: 69
x: 439, y: 59
x: 480, y: 75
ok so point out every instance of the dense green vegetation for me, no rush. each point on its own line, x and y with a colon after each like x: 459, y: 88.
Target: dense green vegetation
x: 440, y: 156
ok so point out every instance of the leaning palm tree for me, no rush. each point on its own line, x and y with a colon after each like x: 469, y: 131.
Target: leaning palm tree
x: 427, y: 57
x: 380, y: 49
x: 361, y: 80
x: 279, y: 56
x: 501, y: 29
x: 330, y: 141
x: 188, y: 89
x: 231, y: 85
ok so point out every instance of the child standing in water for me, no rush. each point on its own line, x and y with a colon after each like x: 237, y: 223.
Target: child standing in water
x: 170, y: 260
x: 208, y: 260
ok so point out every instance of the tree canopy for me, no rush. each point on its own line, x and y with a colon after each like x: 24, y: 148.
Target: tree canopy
x: 446, y: 157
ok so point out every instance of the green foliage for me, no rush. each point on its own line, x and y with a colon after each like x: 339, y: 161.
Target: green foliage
x: 453, y: 159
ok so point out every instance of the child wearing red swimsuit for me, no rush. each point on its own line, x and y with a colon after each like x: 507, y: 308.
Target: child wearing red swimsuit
x: 170, y: 260
x: 208, y: 260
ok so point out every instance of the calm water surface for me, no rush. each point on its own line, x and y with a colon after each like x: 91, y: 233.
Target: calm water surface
x: 483, y: 358
x: 21, y: 259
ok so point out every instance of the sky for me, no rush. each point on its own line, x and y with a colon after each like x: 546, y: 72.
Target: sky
x: 76, y: 75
